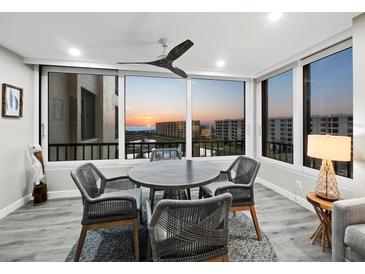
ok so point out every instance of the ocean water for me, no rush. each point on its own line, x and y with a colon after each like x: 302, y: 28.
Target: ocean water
x: 138, y: 128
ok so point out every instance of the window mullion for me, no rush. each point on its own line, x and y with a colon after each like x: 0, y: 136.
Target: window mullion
x: 121, y: 115
x: 249, y: 100
x: 298, y: 116
x: 189, y: 139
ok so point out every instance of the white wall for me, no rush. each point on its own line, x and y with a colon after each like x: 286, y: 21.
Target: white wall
x: 359, y: 99
x: 15, y: 134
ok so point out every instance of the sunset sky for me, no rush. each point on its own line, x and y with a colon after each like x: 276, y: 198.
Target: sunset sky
x: 331, y: 87
x: 216, y: 99
x: 280, y: 95
x: 331, y: 84
x: 153, y: 99
x: 157, y: 99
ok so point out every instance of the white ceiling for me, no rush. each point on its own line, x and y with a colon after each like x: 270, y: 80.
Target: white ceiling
x: 248, y: 42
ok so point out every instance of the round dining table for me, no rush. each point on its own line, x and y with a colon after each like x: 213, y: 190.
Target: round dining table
x: 173, y: 176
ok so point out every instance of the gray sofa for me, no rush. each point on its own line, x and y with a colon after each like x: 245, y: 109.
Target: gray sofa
x: 348, y: 230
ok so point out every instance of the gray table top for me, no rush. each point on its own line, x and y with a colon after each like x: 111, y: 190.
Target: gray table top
x: 174, y: 174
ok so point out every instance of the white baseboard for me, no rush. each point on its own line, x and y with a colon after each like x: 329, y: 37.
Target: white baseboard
x: 26, y: 199
x: 76, y: 193
x: 14, y: 206
x: 291, y: 196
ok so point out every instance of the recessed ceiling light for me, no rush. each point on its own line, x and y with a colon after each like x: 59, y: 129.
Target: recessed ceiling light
x: 220, y: 63
x: 74, y: 52
x: 275, y: 16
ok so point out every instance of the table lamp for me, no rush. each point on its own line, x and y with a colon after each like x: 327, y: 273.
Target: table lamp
x: 328, y: 148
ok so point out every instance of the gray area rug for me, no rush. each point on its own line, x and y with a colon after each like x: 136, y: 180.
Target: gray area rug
x: 116, y: 244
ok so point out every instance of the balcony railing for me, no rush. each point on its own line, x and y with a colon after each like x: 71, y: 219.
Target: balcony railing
x: 218, y: 148
x: 139, y: 150
x: 341, y: 168
x: 143, y: 150
x: 284, y: 152
x: 280, y: 151
x: 82, y: 151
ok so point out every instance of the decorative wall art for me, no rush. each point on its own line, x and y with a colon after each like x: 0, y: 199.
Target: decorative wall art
x: 12, y: 101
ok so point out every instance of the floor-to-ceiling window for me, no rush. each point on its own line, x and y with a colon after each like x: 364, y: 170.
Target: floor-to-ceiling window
x: 328, y: 102
x: 218, y: 117
x: 155, y: 115
x: 81, y: 119
x: 277, y: 117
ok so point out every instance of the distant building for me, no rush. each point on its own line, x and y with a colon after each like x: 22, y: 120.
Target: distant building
x: 205, y: 132
x: 83, y: 108
x: 230, y: 129
x: 280, y: 129
x: 338, y: 124
x: 177, y: 129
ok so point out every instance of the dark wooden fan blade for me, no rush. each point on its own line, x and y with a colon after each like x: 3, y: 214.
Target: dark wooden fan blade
x: 178, y: 71
x: 179, y: 50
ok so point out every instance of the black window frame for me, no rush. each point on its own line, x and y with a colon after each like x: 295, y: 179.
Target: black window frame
x: 307, y: 123
x: 222, y: 124
x: 265, y: 122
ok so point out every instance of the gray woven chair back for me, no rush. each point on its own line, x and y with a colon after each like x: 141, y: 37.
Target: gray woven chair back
x: 88, y: 178
x: 192, y: 230
x: 165, y: 154
x: 243, y: 170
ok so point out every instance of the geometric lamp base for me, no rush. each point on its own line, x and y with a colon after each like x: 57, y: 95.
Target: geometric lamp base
x: 326, y: 186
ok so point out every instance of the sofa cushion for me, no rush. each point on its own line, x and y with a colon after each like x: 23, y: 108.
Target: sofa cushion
x: 212, y: 187
x: 351, y: 256
x: 355, y: 238
x: 241, y: 196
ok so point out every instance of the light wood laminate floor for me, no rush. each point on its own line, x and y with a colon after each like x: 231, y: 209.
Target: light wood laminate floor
x: 47, y: 232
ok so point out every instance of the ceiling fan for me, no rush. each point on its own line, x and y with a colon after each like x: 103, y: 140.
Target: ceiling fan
x: 166, y: 60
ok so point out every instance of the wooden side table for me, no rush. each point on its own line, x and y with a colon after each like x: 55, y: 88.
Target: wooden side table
x: 323, y: 209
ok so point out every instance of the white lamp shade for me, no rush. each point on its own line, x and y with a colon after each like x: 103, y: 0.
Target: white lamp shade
x: 336, y: 148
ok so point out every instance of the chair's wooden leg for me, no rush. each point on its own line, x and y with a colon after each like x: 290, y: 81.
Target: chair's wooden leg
x: 149, y: 249
x: 189, y: 193
x: 81, y: 243
x: 223, y: 258
x: 136, y: 240
x: 256, y: 223
x: 152, y: 197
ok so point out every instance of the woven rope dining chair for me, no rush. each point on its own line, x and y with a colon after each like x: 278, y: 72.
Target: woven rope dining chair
x: 107, y: 203
x: 240, y: 181
x: 165, y: 154
x: 190, y: 230
x: 161, y: 154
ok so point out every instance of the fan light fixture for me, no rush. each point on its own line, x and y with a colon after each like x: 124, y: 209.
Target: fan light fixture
x: 275, y: 16
x: 74, y: 52
x: 220, y: 63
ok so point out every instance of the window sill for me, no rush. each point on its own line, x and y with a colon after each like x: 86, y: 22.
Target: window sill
x: 216, y: 158
x: 118, y: 163
x: 274, y: 162
x: 302, y: 170
x: 89, y: 141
